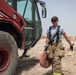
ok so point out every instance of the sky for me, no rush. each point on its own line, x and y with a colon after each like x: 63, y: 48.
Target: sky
x: 65, y: 10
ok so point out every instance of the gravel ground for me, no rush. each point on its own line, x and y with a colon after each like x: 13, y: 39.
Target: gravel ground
x: 31, y: 66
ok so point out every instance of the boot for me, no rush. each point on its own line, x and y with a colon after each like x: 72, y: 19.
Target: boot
x: 24, y: 54
x: 57, y: 73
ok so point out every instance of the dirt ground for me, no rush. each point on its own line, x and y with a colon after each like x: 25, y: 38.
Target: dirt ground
x: 31, y: 65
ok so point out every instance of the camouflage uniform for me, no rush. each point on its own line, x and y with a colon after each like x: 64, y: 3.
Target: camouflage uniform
x: 55, y: 53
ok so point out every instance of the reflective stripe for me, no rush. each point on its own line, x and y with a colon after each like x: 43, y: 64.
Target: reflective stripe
x: 56, y: 73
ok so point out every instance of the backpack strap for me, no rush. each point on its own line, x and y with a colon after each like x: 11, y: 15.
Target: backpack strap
x: 57, y: 33
x: 49, y: 32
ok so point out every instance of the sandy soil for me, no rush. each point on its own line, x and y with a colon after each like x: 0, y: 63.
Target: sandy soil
x: 31, y: 65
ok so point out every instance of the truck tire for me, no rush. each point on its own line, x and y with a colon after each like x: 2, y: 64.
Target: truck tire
x: 8, y: 54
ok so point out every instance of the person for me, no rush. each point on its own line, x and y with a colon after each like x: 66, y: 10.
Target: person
x: 54, y: 45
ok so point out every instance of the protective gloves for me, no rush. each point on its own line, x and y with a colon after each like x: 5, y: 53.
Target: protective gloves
x: 45, y: 48
x: 71, y: 47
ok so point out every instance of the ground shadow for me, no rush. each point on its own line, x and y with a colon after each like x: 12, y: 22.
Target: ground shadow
x: 26, y: 65
x: 48, y: 73
x: 65, y: 72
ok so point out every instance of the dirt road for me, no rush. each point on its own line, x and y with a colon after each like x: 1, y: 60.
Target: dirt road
x: 31, y: 65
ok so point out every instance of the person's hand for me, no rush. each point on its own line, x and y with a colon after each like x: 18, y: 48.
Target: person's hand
x: 71, y: 47
x: 45, y: 48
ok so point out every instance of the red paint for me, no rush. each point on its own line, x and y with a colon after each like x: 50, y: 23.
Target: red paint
x: 4, y: 58
x: 0, y: 58
x: 7, y: 12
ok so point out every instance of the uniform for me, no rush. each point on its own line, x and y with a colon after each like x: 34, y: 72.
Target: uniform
x: 55, y: 51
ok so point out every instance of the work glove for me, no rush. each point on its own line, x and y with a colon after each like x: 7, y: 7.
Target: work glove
x: 71, y: 47
x: 45, y: 48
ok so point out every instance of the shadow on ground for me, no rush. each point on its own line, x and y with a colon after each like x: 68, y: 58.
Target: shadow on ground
x: 48, y: 73
x: 26, y: 65
x: 65, y: 72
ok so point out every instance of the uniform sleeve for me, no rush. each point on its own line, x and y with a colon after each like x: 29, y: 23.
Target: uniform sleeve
x: 62, y: 30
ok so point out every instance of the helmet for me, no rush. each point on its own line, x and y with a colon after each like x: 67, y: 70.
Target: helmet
x: 45, y: 62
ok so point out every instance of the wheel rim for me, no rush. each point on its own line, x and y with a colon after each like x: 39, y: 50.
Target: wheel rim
x: 4, y: 59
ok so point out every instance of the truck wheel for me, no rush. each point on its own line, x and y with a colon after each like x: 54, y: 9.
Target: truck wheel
x: 8, y: 54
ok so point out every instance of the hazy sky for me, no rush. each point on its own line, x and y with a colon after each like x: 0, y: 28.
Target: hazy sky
x: 66, y: 12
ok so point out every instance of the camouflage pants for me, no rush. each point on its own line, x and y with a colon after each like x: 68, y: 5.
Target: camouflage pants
x: 55, y: 53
